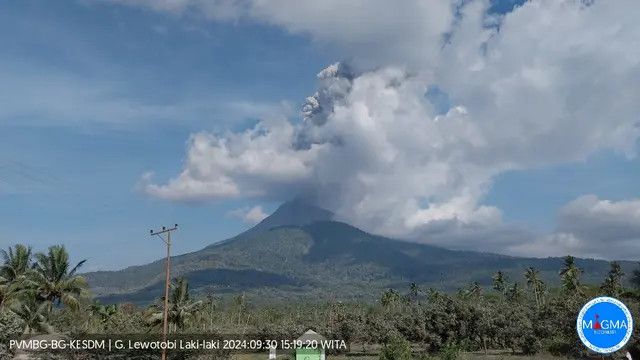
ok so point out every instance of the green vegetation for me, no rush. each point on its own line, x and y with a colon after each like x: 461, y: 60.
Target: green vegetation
x: 329, y: 260
x: 41, y: 293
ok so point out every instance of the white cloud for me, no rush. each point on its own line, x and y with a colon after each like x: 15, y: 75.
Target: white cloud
x: 250, y: 216
x: 257, y: 162
x: 591, y: 227
x: 411, y: 30
x: 553, y: 82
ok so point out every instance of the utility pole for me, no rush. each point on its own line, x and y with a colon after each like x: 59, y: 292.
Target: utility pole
x: 167, y: 241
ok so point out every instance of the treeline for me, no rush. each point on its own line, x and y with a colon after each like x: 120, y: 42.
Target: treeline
x: 42, y: 293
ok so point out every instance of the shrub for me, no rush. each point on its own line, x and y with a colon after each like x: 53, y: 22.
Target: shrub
x: 397, y: 349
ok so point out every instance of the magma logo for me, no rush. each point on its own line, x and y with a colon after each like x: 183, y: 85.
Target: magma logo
x: 604, y: 325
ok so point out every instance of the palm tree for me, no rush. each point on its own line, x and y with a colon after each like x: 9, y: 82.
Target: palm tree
x: 4, y: 290
x: 34, y: 315
x: 55, y: 281
x: 10, y: 291
x: 499, y: 282
x: 17, y: 262
x: 612, y: 284
x: 181, y: 307
x: 532, y: 275
x: 570, y: 274
x: 104, y: 312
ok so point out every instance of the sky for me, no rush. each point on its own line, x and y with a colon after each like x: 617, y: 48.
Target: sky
x: 500, y: 126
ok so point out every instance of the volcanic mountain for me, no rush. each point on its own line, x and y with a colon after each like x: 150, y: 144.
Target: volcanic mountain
x: 300, y: 251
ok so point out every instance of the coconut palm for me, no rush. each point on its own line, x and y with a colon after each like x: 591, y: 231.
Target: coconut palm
x: 532, y: 275
x: 10, y: 291
x: 4, y: 287
x: 104, y: 312
x: 17, y: 261
x: 34, y: 315
x: 55, y: 281
x: 570, y: 275
x: 499, y: 282
x: 181, y: 307
x: 17, y: 264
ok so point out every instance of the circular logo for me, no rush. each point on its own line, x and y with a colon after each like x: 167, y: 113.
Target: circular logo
x: 604, y: 325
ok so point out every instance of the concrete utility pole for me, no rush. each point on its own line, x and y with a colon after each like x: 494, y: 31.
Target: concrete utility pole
x: 167, y: 241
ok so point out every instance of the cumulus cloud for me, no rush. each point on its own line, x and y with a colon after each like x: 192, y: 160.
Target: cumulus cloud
x: 410, y: 30
x: 592, y: 227
x: 250, y: 216
x: 551, y: 82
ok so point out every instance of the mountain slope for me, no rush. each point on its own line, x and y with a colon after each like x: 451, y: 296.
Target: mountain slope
x: 314, y: 257
x: 292, y: 213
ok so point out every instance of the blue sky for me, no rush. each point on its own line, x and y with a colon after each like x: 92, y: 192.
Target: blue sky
x: 73, y: 181
x: 98, y: 94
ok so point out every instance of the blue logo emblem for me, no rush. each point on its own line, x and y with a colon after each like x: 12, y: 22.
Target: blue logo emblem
x: 604, y: 325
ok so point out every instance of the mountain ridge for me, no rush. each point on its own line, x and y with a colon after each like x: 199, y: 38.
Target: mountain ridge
x: 301, y: 251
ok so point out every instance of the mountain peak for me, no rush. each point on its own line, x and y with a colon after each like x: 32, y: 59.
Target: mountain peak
x: 293, y: 213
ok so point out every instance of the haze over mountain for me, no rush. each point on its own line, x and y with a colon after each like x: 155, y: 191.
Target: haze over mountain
x: 300, y: 251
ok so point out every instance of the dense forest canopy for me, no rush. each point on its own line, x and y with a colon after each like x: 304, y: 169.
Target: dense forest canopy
x: 42, y: 293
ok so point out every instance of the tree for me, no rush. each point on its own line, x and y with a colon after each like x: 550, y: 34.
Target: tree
x: 397, y: 349
x: 389, y: 298
x: 499, y: 282
x: 34, y: 315
x: 635, y: 279
x: 9, y: 292
x: 414, y: 292
x: 612, y: 284
x: 55, y: 281
x: 104, y: 312
x: 532, y: 275
x: 570, y: 275
x: 181, y: 307
x: 514, y: 293
x: 17, y: 262
x: 473, y: 290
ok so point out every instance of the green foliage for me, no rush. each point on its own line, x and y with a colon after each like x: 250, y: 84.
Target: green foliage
x: 450, y: 352
x: 499, y: 282
x: 10, y: 326
x: 17, y: 262
x: 635, y: 279
x: 570, y: 275
x: 514, y: 293
x: 535, y: 284
x: 34, y: 315
x: 397, y: 348
x: 181, y: 307
x: 327, y: 260
x: 612, y: 284
x: 435, y: 322
x: 29, y: 289
x: 54, y: 279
